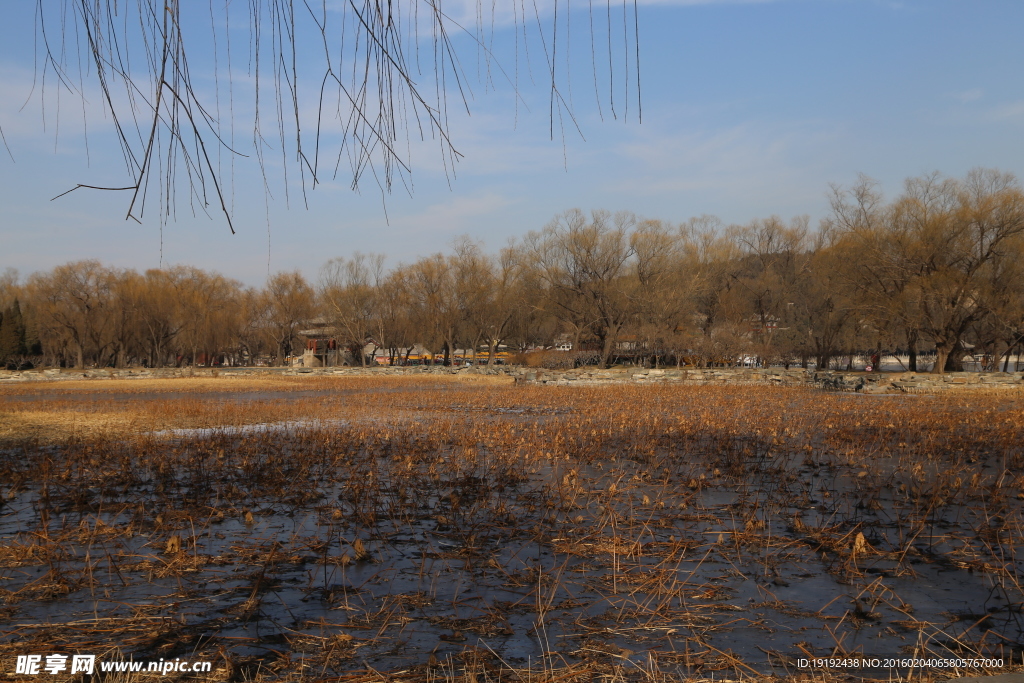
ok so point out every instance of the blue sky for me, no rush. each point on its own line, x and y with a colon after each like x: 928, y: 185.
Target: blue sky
x: 749, y: 109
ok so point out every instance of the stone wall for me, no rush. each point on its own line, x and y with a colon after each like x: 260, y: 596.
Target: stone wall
x: 7, y: 376
x: 906, y: 382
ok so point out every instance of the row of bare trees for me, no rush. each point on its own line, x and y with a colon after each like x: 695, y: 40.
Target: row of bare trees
x: 85, y: 314
x: 936, y: 270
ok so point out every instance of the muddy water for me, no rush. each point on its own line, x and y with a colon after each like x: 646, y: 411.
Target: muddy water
x: 620, y: 560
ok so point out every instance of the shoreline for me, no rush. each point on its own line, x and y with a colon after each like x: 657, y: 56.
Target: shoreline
x: 854, y: 381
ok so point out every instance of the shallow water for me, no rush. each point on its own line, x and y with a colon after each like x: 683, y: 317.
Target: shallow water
x: 538, y: 560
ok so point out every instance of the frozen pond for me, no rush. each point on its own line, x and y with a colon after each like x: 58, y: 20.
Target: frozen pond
x: 359, y: 544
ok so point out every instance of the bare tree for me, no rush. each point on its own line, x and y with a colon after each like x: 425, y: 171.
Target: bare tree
x: 160, y: 316
x: 9, y: 289
x: 772, y: 256
x: 74, y: 304
x: 254, y: 314
x: 314, y: 83
x: 290, y: 304
x: 931, y: 261
x: 823, y: 304
x: 350, y: 291
x: 430, y: 294
x: 585, y: 267
x: 941, y: 265
x: 665, y: 281
x: 717, y: 328
x: 128, y: 292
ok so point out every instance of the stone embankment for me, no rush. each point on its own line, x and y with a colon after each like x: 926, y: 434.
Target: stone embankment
x: 888, y: 382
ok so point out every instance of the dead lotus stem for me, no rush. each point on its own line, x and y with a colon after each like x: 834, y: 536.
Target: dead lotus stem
x: 589, y: 515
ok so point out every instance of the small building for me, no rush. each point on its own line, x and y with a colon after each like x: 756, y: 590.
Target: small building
x: 320, y: 347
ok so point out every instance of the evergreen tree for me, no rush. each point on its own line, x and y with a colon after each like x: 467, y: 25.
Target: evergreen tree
x: 12, y: 333
x: 33, y: 344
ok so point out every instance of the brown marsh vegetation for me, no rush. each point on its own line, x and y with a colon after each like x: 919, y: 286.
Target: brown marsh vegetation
x: 439, y: 528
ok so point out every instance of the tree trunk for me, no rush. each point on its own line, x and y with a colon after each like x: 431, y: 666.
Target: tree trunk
x: 1009, y: 350
x: 955, y: 360
x: 823, y: 359
x: 823, y: 353
x: 606, y: 350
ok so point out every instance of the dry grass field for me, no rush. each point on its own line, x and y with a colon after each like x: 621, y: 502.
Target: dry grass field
x: 470, y: 529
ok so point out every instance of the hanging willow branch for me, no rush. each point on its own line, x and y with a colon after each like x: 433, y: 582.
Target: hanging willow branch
x: 302, y: 85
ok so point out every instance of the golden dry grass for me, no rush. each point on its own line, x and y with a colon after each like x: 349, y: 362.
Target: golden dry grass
x: 52, y: 412
x: 228, y: 383
x: 605, y: 476
x: 58, y: 426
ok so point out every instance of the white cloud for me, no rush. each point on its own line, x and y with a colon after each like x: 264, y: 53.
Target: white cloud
x: 480, y: 16
x: 1014, y: 111
x: 455, y: 216
x: 746, y: 169
x: 968, y: 95
x: 686, y: 3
